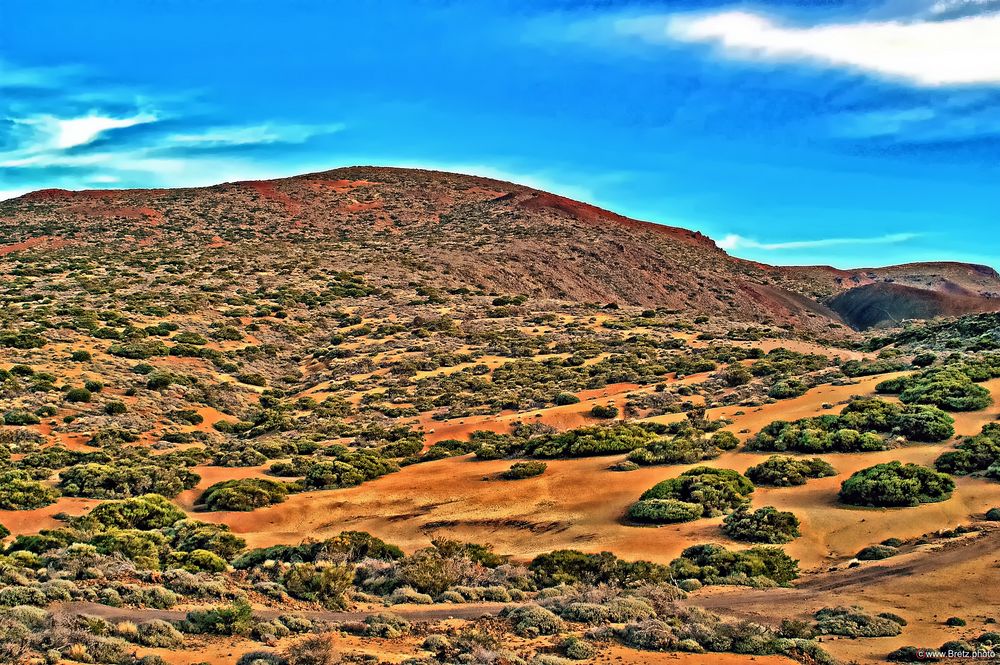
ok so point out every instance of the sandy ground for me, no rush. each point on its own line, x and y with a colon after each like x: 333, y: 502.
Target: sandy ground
x: 579, y: 504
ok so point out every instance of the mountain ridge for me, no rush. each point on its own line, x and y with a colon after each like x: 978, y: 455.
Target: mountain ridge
x: 474, y: 230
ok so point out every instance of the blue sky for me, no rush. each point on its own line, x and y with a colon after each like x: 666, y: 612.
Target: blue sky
x: 849, y: 133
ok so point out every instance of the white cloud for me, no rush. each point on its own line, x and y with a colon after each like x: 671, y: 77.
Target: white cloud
x: 17, y: 76
x: 46, y: 134
x: 81, y: 131
x: 960, y: 51
x: 254, y: 134
x: 13, y: 193
x: 735, y: 242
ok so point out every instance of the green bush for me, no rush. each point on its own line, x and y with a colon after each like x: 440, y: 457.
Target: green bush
x: 322, y: 583
x: 787, y: 388
x: 681, y: 449
x: 235, y: 619
x: 894, y: 484
x: 862, y: 426
x: 118, y: 480
x: 949, y: 388
x: 562, y: 399
x: 197, y: 561
x: 139, y: 350
x: 520, y: 470
x: 605, y: 439
x: 718, y: 491
x: 352, y: 546
x: 20, y: 417
x: 385, y: 625
x: 575, y: 567
x: 876, y: 553
x: 243, y: 494
x: 604, y: 411
x: 974, y: 454
x: 348, y: 471
x: 158, y: 633
x: 532, y: 620
x: 664, y: 511
x: 911, y: 654
x: 575, y: 648
x: 714, y: 564
x: 784, y: 471
x: 764, y: 525
x: 188, y: 535
x: 854, y: 622
x: 147, y: 549
x: 252, y: 379
x: 115, y: 408
x: 187, y: 337
x: 147, y: 512
x: 78, y: 395
x: 449, y: 448
x: 19, y: 492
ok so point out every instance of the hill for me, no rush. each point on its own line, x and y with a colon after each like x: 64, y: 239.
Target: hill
x: 403, y: 416
x: 461, y: 231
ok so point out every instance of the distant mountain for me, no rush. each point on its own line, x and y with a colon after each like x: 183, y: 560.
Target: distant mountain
x: 466, y: 231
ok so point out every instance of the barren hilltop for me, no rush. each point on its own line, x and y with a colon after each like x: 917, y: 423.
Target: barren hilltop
x: 460, y: 230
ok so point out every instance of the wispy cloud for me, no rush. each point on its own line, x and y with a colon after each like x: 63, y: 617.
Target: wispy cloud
x: 86, y: 133
x: 64, y: 133
x: 733, y: 242
x: 925, y: 52
x: 42, y: 140
x: 955, y: 8
x: 17, y: 76
x: 267, y: 133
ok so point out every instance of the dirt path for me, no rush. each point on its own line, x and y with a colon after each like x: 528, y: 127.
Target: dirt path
x: 850, y: 584
x: 925, y: 587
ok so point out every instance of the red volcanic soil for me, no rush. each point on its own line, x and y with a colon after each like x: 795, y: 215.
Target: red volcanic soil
x: 152, y: 217
x: 62, y: 194
x: 358, y: 207
x: 591, y: 214
x: 268, y: 191
x: 55, y: 194
x: 338, y: 186
x: 29, y: 243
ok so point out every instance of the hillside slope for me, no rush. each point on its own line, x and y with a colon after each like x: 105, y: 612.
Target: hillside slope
x: 464, y: 231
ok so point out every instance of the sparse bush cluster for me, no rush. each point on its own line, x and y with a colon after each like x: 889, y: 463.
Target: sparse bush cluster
x: 951, y: 388
x: 863, y: 425
x: 980, y: 453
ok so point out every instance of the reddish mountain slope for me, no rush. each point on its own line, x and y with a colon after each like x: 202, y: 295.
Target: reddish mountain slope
x: 458, y: 231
